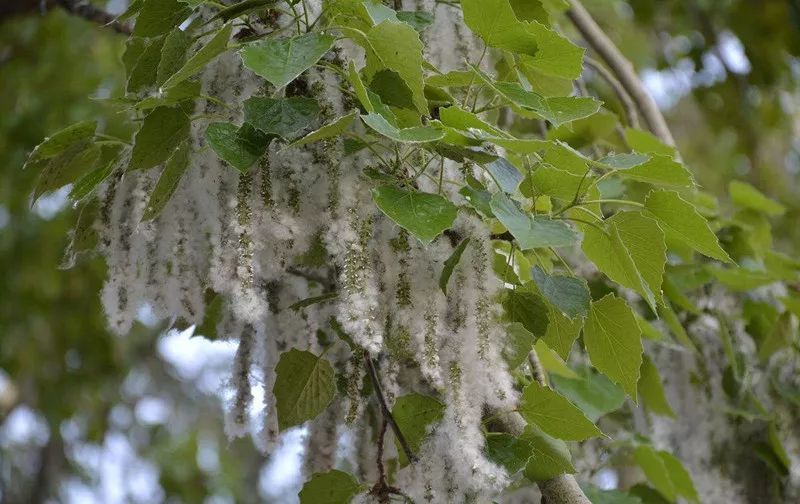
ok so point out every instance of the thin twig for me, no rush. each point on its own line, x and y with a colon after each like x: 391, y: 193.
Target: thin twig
x: 619, y: 90
x: 373, y: 376
x: 622, y: 69
x: 94, y: 14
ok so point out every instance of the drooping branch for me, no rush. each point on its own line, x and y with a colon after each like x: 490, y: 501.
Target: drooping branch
x: 373, y: 376
x: 622, y: 69
x: 562, y: 489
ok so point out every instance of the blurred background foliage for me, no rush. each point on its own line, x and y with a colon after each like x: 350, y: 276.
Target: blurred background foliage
x: 89, y: 417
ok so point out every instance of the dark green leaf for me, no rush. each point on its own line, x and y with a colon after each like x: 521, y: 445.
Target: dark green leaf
x: 216, y: 46
x: 555, y: 415
x: 304, y: 386
x: 528, y: 309
x: 510, y: 452
x: 332, y: 487
x: 549, y: 456
x: 280, y: 61
x: 314, y: 300
x: 283, y: 117
x: 450, y: 264
x: 413, y: 414
x: 569, y: 294
x: 239, y: 147
x: 531, y: 231
x: 159, y: 16
x: 424, y: 215
x: 168, y: 181
x: 593, y: 393
x: 163, y: 128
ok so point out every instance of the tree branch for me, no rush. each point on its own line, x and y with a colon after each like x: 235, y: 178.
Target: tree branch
x: 622, y: 69
x: 80, y: 8
x: 373, y: 376
x: 562, y: 489
x: 89, y: 12
x: 625, y: 99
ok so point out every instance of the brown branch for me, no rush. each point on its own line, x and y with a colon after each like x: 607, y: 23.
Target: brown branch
x: 622, y: 69
x: 563, y: 489
x: 89, y: 12
x: 624, y: 98
x: 373, y: 376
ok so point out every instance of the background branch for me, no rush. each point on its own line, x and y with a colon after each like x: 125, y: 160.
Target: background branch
x: 622, y: 69
x: 373, y: 376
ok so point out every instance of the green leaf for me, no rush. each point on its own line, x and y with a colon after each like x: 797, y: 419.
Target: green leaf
x: 422, y: 214
x: 670, y: 318
x: 508, y: 451
x: 332, y: 129
x: 644, y: 141
x: 239, y: 147
x: 173, y: 54
x: 283, y: 117
x: 557, y: 55
x: 681, y: 480
x: 561, y: 332
x: 60, y: 141
x: 280, y: 61
x: 163, y: 128
x: 644, y: 242
x: 460, y: 119
x: 413, y: 414
x: 551, y: 362
x: 145, y: 71
x: 419, y: 20
x: 358, y: 86
x: 396, y: 46
x: 597, y: 496
x: 549, y: 456
x: 168, y: 181
x: 593, y: 393
x: 681, y: 221
x: 108, y: 161
x: 651, y: 390
x: 332, y: 487
x: 659, y: 170
x: 186, y: 90
x: 780, y: 337
x: 78, y: 159
x: 494, y: 21
x: 531, y: 231
x: 570, y: 295
x: 417, y: 134
x: 554, y: 414
x: 747, y: 196
x: 519, y: 342
x: 310, y: 301
x: 655, y: 470
x: 242, y: 8
x: 504, y: 174
x: 159, y: 16
x: 528, y: 309
x: 614, y: 255
x: 558, y: 110
x: 216, y: 46
x: 450, y: 264
x: 548, y: 180
x: 614, y: 342
x: 304, y: 386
